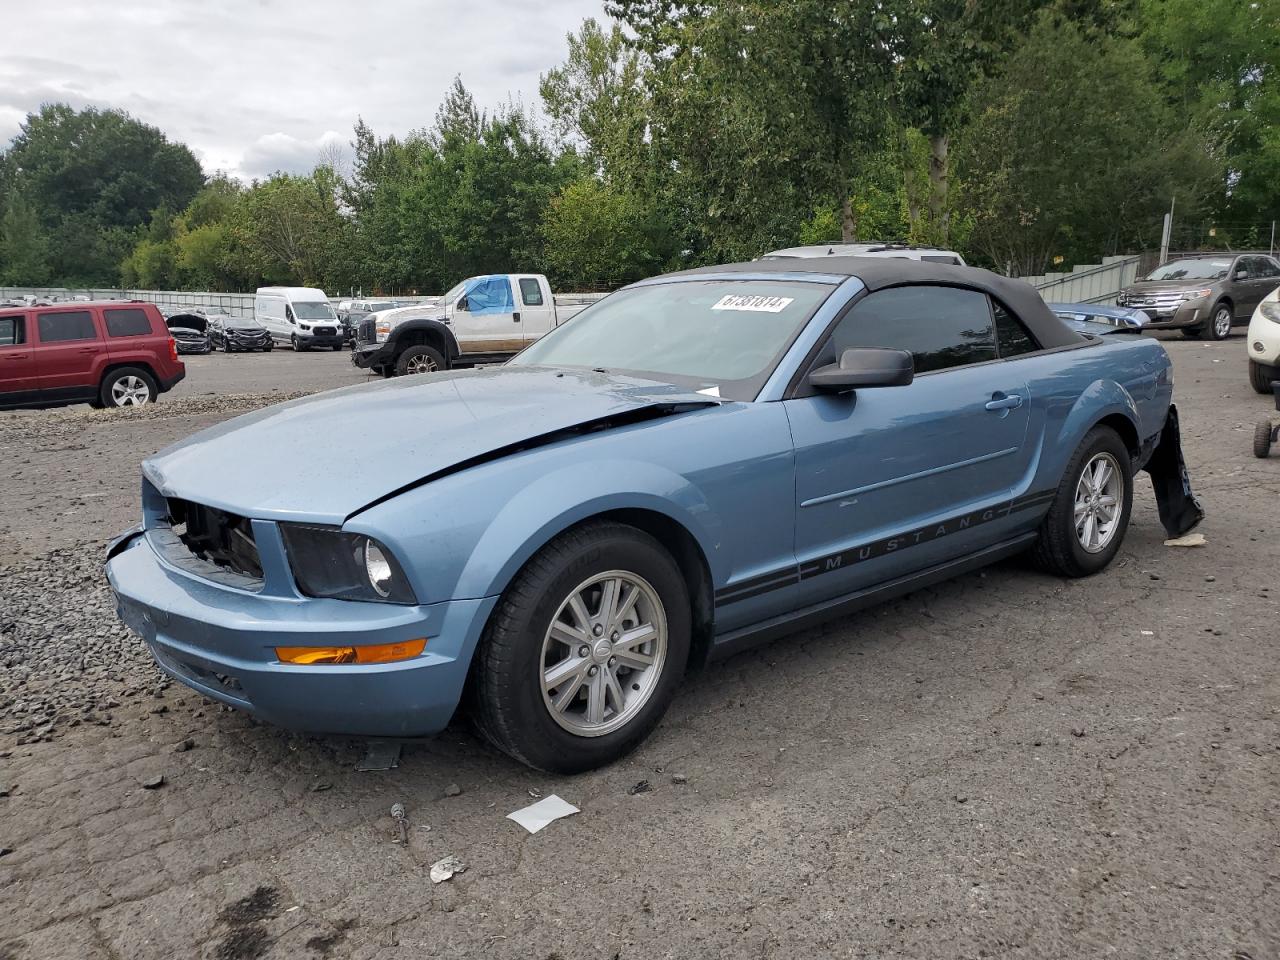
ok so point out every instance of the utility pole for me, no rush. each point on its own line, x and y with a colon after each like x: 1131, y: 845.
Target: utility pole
x: 1168, y: 228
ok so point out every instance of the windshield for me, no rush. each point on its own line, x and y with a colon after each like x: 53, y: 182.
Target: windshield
x: 453, y: 294
x: 307, y: 310
x: 727, y: 334
x: 1191, y: 270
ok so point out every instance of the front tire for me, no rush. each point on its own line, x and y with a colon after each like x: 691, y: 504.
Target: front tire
x: 1219, y: 325
x: 584, y: 652
x: 419, y: 359
x: 1089, y: 516
x: 128, y: 387
x: 1261, y: 375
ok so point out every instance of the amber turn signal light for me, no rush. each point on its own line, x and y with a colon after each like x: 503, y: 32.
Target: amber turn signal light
x: 374, y: 653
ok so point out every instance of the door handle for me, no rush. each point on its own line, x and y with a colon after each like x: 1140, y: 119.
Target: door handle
x: 516, y: 316
x: 1000, y: 401
x: 22, y: 356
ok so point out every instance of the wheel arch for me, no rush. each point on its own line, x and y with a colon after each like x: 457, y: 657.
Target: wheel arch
x: 1104, y: 403
x: 428, y: 333
x: 114, y: 365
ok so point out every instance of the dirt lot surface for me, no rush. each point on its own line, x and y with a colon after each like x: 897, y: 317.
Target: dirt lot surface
x: 1007, y: 765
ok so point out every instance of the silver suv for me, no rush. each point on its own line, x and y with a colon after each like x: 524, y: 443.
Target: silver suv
x: 900, y: 251
x: 1203, y: 296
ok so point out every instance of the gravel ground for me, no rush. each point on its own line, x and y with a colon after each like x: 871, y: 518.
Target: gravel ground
x: 1004, y: 765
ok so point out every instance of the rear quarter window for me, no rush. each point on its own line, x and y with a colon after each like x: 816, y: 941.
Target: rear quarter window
x: 129, y: 322
x: 12, y: 331
x: 71, y: 325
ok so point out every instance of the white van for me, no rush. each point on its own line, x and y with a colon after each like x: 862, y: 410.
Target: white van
x: 299, y: 316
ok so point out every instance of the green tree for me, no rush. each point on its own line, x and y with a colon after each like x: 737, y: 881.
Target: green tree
x: 288, y: 229
x: 602, y: 236
x: 1059, y: 158
x: 24, y: 247
x: 93, y: 177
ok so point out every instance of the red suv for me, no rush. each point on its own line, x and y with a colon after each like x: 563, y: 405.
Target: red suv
x: 110, y: 354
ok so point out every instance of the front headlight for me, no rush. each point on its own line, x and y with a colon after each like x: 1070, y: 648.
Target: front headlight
x: 383, y: 329
x: 305, y: 326
x: 328, y: 562
x: 1271, y: 310
x: 1197, y: 294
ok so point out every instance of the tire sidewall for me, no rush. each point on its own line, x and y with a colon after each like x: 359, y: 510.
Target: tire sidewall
x: 544, y: 743
x: 1099, y: 440
x: 418, y: 350
x: 104, y: 392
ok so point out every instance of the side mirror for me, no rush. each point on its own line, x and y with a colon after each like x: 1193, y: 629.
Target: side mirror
x: 462, y: 304
x: 1242, y: 275
x: 865, y: 367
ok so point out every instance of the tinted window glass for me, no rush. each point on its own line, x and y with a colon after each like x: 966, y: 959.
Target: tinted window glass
x: 530, y: 292
x: 1014, y: 338
x: 12, y: 331
x: 57, y: 327
x: 939, y: 326
x: 1265, y: 268
x: 132, y: 322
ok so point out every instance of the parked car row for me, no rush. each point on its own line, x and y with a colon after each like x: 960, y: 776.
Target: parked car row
x: 1203, y: 296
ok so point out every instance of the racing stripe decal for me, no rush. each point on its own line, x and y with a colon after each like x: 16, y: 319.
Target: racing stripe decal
x: 765, y: 583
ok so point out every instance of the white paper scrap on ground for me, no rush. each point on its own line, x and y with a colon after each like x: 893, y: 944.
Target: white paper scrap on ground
x: 1190, y: 540
x: 536, y: 816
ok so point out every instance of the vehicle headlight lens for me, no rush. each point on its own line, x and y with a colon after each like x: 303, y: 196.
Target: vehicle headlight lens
x: 305, y: 326
x: 1197, y: 294
x: 328, y: 562
x: 378, y: 568
x: 1271, y: 310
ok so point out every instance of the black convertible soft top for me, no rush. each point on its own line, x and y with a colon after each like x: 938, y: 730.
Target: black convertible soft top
x: 879, y: 273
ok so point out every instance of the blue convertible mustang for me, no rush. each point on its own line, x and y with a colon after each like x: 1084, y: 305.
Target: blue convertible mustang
x: 695, y: 463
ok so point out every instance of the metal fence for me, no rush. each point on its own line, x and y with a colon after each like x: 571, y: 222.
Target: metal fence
x: 1091, y: 283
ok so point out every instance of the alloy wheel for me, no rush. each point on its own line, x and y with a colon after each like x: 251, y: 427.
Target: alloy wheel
x: 130, y: 391
x: 1098, y: 502
x: 602, y: 656
x: 422, y: 364
x: 1222, y: 323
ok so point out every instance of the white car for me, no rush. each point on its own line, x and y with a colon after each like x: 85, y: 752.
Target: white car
x: 898, y: 251
x: 1263, y: 343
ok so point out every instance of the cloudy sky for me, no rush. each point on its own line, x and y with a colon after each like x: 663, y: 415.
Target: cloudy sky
x: 253, y: 86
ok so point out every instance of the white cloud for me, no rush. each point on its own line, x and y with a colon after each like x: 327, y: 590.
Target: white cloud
x: 258, y: 85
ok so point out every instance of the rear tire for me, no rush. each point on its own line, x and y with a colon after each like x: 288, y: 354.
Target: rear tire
x: 128, y: 387
x: 1061, y: 549
x: 1261, y: 376
x: 1262, y: 439
x: 588, y: 590
x: 419, y: 359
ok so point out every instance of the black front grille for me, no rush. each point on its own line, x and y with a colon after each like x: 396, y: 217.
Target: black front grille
x: 324, y: 331
x: 215, y: 536
x: 367, y: 332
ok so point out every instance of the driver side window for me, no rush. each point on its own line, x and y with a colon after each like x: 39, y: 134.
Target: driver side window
x: 940, y: 327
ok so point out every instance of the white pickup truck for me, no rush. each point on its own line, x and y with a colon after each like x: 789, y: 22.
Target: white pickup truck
x: 482, y: 320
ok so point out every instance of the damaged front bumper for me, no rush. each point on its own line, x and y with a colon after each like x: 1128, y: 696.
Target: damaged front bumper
x: 221, y: 641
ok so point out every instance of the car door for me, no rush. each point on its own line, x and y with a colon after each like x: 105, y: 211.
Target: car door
x: 893, y: 480
x: 67, y: 348
x: 484, y: 320
x: 17, y: 362
x: 537, y: 309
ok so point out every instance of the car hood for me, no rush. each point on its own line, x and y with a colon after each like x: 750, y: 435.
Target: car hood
x: 187, y: 333
x: 1143, y: 287
x: 322, y: 458
x: 187, y: 321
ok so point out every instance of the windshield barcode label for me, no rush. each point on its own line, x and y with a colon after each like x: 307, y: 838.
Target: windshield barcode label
x: 756, y: 304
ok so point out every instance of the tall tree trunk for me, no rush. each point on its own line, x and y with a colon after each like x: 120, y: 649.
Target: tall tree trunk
x: 939, y: 172
x: 848, y: 222
x: 909, y: 185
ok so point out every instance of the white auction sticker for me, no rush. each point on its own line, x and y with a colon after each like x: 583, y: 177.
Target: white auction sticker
x: 754, y: 304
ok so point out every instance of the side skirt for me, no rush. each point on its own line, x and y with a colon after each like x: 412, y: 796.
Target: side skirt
x: 729, y: 644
